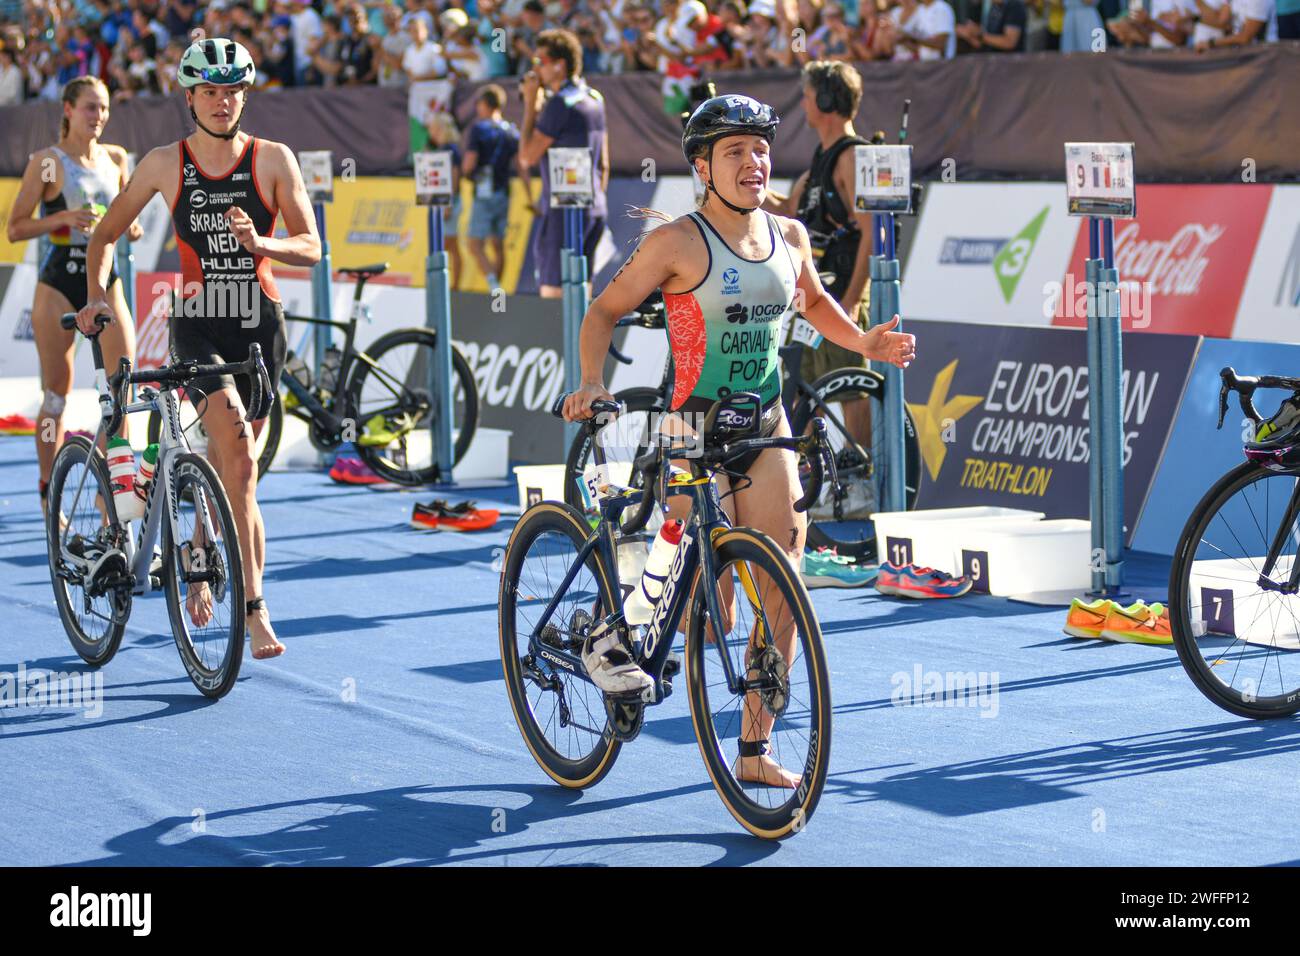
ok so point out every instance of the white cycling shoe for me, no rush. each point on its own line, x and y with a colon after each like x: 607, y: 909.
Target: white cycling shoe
x: 610, y: 666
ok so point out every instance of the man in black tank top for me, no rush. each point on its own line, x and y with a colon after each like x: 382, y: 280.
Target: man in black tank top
x: 822, y: 199
x: 226, y: 189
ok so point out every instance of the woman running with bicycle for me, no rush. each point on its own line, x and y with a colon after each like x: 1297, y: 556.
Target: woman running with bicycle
x: 225, y: 189
x: 730, y: 279
x: 73, y: 181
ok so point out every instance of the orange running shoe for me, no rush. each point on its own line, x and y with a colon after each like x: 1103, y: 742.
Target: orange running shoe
x: 1138, y: 624
x: 1086, y: 619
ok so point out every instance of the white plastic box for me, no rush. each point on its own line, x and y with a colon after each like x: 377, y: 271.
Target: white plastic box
x: 539, y: 483
x: 1021, y: 557
x: 928, y: 538
x: 1227, y: 599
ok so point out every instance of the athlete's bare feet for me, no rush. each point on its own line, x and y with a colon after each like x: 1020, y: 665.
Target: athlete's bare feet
x: 265, y: 644
x: 767, y: 771
x: 198, y: 601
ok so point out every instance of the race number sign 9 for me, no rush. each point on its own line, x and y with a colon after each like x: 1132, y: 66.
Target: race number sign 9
x: 1099, y: 180
x: 882, y: 179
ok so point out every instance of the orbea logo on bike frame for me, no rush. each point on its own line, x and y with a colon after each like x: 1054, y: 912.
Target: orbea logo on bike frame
x: 655, y: 631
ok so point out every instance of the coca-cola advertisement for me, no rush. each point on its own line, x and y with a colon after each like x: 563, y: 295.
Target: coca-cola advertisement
x: 1182, y: 262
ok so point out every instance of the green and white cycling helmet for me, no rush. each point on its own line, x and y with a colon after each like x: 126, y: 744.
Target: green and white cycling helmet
x: 221, y: 62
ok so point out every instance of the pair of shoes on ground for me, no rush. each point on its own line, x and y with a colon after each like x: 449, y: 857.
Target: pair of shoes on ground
x: 353, y: 471
x: 824, y: 568
x: 1139, y: 623
x: 909, y: 581
x: 466, y: 516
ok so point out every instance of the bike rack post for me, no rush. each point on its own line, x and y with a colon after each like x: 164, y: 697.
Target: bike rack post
x: 437, y: 307
x: 573, y: 277
x: 883, y: 307
x: 1112, y: 425
x: 1096, y: 511
x: 322, y: 306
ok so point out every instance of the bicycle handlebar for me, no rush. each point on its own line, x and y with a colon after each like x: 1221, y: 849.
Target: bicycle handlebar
x: 1245, y: 386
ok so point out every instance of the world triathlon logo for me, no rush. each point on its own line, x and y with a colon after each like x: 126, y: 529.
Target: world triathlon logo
x: 731, y: 282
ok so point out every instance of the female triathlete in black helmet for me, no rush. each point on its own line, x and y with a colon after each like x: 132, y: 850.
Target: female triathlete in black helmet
x: 731, y: 276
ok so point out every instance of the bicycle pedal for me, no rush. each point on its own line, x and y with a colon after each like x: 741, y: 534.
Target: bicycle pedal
x: 626, y: 714
x: 672, y: 666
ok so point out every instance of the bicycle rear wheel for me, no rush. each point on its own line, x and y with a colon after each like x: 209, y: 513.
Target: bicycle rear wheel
x: 561, y: 716
x: 388, y: 394
x: 206, y: 557
x: 83, y: 522
x: 1237, y: 635
x: 842, y: 519
x: 774, y: 642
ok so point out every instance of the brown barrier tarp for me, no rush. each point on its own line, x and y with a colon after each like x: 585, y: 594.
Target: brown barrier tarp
x: 1194, y: 118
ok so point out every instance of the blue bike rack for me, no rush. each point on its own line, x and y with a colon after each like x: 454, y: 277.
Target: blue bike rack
x: 125, y: 265
x: 437, y: 310
x: 573, y: 280
x: 322, y: 306
x: 885, y: 275
x: 1105, y: 411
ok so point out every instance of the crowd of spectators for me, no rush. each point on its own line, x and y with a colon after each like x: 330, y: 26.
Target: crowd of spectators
x: 134, y: 45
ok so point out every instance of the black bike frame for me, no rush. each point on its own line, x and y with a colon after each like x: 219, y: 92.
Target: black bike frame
x: 707, y: 519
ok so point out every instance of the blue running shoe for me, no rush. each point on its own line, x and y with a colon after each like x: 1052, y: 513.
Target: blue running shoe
x: 824, y: 568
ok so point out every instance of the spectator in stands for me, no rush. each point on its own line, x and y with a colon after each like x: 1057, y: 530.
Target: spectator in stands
x: 523, y: 41
x: 927, y: 29
x: 326, y: 62
x: 11, y: 78
x: 358, y: 52
x: 1082, y: 28
x: 767, y: 44
x: 831, y: 40
x: 1166, y: 25
x: 490, y: 151
x: 392, y: 47
x: 493, y: 37
x: 306, y: 28
x: 640, y: 53
x: 168, y: 65
x: 1288, y: 19
x: 139, y: 74
x: 178, y: 17
x: 278, y: 60
x: 423, y: 59
x: 731, y: 38
x: 561, y: 110
x: 1242, y: 22
x: 149, y: 32
x: 1003, y: 30
x: 460, y: 46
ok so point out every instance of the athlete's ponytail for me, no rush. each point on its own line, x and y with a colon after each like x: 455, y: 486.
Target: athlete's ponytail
x: 72, y: 91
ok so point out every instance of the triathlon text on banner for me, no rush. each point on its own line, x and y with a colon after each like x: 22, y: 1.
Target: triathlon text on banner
x: 1099, y: 180
x: 883, y: 178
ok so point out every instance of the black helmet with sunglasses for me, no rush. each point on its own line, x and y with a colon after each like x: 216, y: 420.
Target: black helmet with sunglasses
x: 722, y: 116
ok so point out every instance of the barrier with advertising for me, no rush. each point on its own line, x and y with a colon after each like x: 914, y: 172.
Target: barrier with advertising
x: 1002, y: 415
x: 1182, y: 262
x: 1270, y: 304
x: 988, y: 252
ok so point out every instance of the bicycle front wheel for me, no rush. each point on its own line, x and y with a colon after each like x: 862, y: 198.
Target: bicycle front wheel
x: 389, y: 396
x: 1236, y: 629
x: 203, y: 576
x: 617, y: 446
x: 561, y: 716
x: 841, y: 517
x: 772, y: 643
x: 80, y: 527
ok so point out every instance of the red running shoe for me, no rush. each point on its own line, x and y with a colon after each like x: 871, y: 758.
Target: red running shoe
x: 439, y: 516
x: 909, y: 581
x: 354, y: 471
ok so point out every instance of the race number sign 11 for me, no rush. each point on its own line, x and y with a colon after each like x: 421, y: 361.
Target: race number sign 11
x: 882, y: 179
x: 1099, y: 180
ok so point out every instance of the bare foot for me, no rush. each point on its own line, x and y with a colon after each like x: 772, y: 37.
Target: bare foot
x: 767, y: 771
x: 265, y: 644
x: 198, y: 601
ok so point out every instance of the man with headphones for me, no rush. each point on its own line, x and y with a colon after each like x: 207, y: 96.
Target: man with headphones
x: 822, y: 199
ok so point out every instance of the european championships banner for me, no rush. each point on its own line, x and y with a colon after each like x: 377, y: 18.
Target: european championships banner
x: 1002, y: 415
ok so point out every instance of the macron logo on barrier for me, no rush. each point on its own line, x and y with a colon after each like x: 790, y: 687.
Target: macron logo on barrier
x: 75, y: 909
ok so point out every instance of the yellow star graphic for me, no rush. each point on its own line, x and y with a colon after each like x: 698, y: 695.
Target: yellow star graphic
x: 931, y: 417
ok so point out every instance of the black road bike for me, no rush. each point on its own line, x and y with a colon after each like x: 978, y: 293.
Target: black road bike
x: 377, y: 398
